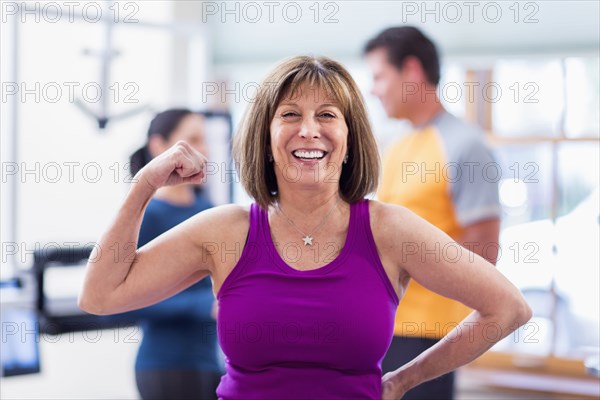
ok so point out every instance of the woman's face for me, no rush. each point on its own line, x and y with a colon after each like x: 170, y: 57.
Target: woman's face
x: 191, y: 129
x: 308, y: 138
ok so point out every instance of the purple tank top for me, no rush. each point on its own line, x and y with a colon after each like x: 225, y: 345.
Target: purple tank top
x: 317, y: 334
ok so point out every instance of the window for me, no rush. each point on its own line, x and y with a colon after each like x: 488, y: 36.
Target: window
x: 582, y: 117
x: 526, y: 97
x: 550, y: 226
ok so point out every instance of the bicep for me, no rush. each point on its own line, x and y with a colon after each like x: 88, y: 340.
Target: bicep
x: 166, y: 265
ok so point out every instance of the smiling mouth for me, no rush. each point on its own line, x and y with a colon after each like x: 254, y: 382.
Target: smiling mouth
x: 309, y: 155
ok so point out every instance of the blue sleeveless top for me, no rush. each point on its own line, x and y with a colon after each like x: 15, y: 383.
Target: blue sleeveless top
x: 315, y: 334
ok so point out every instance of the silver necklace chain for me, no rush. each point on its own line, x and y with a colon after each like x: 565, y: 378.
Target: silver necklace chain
x: 308, y: 237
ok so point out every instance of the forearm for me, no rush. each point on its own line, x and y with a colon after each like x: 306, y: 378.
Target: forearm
x: 112, y: 257
x: 470, y: 339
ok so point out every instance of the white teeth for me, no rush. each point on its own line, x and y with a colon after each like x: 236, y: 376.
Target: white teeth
x: 309, y: 154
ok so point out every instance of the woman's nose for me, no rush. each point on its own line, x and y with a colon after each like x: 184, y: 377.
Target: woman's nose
x: 309, y: 129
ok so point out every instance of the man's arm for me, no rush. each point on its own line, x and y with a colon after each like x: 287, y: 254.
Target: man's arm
x: 482, y: 238
x: 476, y: 201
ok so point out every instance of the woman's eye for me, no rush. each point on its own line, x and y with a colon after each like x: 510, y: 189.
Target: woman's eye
x: 289, y: 114
x: 328, y: 115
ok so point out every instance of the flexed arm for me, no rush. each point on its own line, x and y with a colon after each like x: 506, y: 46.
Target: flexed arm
x: 120, y: 278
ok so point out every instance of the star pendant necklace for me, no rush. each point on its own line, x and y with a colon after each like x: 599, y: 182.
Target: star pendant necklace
x: 308, y: 237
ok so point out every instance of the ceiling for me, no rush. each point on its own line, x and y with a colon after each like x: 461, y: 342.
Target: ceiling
x: 457, y: 27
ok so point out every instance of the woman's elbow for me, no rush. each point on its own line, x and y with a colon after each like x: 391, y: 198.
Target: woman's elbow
x: 522, y: 312
x: 515, y: 312
x: 88, y: 305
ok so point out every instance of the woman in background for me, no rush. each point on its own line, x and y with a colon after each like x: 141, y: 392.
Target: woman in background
x: 178, y: 357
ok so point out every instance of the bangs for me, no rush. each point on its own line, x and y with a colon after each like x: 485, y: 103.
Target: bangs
x: 317, y: 80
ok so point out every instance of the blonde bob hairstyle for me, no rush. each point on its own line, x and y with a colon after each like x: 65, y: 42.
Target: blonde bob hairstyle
x: 251, y: 144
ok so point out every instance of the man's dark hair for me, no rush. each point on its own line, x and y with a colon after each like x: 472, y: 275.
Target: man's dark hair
x: 405, y: 41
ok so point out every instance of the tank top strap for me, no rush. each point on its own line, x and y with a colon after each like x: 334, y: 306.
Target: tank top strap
x: 364, y: 235
x: 361, y: 226
x: 256, y: 223
x: 252, y: 249
x: 256, y: 245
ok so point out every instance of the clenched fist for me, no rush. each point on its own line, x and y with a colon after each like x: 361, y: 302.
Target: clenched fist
x: 179, y: 164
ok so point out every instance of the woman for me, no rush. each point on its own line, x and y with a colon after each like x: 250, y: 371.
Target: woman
x: 178, y: 357
x: 308, y: 277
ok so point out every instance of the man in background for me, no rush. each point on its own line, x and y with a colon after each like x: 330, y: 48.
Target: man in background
x: 439, y: 172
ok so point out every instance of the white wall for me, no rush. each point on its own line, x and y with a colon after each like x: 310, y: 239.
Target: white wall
x: 90, y: 365
x: 340, y: 29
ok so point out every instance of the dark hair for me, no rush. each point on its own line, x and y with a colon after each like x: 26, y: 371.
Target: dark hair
x: 162, y: 124
x: 404, y: 41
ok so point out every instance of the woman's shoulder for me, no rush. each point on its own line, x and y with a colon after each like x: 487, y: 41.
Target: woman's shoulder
x: 380, y: 211
x: 221, y: 224
x: 228, y: 215
x: 226, y: 227
x: 390, y: 220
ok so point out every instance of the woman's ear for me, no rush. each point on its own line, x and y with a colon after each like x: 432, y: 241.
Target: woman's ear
x: 156, y: 144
